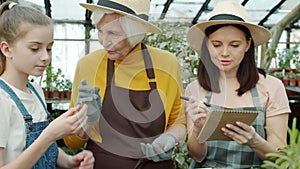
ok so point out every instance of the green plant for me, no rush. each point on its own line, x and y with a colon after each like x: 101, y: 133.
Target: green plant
x: 173, y: 40
x: 279, y: 75
x: 287, y: 56
x: 180, y: 156
x: 292, y: 75
x: 54, y: 79
x: 66, y: 84
x: 288, y: 156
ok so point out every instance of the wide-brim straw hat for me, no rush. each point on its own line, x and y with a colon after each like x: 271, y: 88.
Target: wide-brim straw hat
x: 227, y: 12
x: 137, y: 10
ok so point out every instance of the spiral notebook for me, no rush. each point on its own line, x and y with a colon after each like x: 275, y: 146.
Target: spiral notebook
x: 218, y: 118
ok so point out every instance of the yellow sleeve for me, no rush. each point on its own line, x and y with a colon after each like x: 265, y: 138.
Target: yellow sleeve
x: 92, y: 60
x: 169, y: 84
x: 176, y: 115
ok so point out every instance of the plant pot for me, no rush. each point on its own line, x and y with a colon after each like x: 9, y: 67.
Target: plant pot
x: 62, y: 94
x: 292, y: 82
x: 285, y: 82
x: 46, y: 94
x: 54, y: 94
x: 68, y: 94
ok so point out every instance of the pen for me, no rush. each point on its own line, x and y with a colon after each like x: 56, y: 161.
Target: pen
x: 187, y: 99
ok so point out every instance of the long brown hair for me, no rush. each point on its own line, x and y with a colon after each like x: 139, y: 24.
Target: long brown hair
x: 13, y: 19
x: 208, y: 73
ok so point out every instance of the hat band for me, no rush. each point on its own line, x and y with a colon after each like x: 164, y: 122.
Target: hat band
x: 121, y: 7
x: 226, y: 17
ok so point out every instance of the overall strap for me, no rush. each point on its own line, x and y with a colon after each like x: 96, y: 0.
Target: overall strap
x: 149, y: 67
x: 38, y: 96
x: 208, y: 96
x: 255, y: 97
x: 26, y: 115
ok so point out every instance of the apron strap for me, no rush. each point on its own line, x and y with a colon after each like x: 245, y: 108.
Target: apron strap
x: 149, y: 67
x: 110, y: 71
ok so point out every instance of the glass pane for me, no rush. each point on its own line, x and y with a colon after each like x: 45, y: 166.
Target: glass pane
x: 69, y: 31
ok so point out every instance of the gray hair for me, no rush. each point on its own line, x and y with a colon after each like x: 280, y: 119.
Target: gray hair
x: 134, y: 30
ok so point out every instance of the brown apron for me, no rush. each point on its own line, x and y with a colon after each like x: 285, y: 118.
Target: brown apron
x: 128, y: 118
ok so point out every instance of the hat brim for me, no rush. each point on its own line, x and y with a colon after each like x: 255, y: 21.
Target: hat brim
x: 149, y: 26
x: 196, y: 33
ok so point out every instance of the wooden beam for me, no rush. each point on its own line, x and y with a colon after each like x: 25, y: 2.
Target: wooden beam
x: 166, y: 8
x: 271, y: 12
x: 202, y: 9
x: 244, y: 2
x: 48, y: 7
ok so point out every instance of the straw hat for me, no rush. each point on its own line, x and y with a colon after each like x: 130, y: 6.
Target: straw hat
x: 227, y: 12
x: 137, y: 10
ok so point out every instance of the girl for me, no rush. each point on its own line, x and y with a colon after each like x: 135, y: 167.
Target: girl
x: 27, y: 140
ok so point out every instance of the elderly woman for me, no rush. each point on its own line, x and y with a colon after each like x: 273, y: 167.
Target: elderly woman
x: 142, y: 115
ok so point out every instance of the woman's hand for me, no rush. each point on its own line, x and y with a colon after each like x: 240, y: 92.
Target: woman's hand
x: 197, y: 112
x: 68, y: 123
x: 242, y: 134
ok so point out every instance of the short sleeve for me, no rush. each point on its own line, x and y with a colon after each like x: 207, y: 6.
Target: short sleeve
x: 278, y: 102
x: 5, y: 119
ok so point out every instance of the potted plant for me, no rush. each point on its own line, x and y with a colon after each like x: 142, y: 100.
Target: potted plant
x: 288, y: 156
x: 54, y: 82
x: 47, y: 81
x: 67, y: 88
x: 298, y: 72
x: 57, y: 83
x: 292, y: 78
x: 278, y: 75
x: 285, y: 79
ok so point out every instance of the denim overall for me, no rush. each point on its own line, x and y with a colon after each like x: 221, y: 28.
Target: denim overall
x: 33, y: 130
x: 229, y: 154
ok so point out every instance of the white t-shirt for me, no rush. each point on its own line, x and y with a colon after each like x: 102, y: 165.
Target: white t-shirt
x: 12, y: 124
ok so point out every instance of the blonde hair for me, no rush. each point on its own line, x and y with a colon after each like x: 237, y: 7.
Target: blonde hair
x: 134, y: 30
x: 13, y: 19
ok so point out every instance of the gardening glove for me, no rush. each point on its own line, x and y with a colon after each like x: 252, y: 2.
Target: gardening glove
x: 90, y: 96
x: 161, y: 148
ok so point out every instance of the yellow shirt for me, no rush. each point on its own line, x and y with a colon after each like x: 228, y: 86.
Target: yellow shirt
x: 130, y: 73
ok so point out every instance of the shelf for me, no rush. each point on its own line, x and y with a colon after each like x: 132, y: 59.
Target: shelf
x: 55, y: 101
x: 293, y: 88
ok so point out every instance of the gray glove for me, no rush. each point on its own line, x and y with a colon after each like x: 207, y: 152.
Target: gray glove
x: 90, y: 96
x: 161, y: 148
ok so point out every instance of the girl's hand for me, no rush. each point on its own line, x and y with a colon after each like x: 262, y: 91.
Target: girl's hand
x: 196, y: 111
x: 83, y: 160
x: 68, y: 123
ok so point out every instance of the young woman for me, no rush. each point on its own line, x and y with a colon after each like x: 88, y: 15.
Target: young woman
x: 27, y: 140
x: 228, y: 78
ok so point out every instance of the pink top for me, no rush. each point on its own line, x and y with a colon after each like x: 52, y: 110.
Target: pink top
x: 271, y: 92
